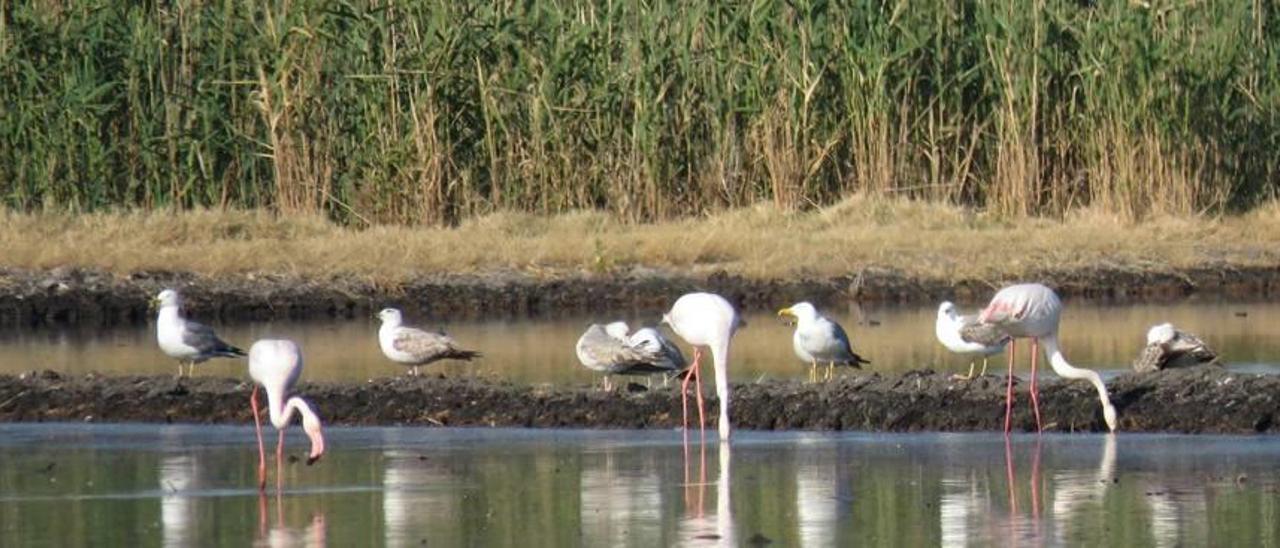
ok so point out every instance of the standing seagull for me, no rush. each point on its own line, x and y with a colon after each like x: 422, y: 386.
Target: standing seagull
x: 275, y: 365
x: 966, y: 335
x: 1034, y: 311
x: 818, y: 339
x: 412, y: 346
x: 609, y: 350
x: 705, y: 319
x: 187, y: 341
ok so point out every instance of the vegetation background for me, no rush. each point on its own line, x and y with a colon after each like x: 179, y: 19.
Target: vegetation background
x: 437, y: 111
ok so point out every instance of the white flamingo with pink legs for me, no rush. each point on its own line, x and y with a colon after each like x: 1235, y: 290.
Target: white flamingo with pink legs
x: 1034, y: 311
x: 705, y: 320
x: 275, y: 365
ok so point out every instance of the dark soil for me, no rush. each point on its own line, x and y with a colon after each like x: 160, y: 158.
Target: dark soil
x: 93, y: 298
x: 1196, y: 400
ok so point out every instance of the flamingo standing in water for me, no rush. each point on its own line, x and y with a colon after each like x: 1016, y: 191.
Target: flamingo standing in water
x: 705, y: 319
x: 1034, y: 311
x: 275, y: 365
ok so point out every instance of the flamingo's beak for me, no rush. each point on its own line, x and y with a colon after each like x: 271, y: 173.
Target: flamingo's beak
x: 312, y: 428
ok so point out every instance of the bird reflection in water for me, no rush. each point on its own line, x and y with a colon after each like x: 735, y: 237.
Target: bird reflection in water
x: 697, y: 528
x: 312, y: 535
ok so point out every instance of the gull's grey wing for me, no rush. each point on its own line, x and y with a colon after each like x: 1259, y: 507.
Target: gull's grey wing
x: 602, y: 352
x: 985, y: 334
x: 203, y: 339
x: 428, y: 346
x: 842, y: 339
x: 1184, y: 350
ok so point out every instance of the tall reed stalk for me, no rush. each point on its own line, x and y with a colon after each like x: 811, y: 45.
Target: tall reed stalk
x: 430, y: 112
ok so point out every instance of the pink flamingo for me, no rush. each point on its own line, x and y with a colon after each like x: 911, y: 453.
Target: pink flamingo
x: 705, y: 319
x: 1034, y: 311
x: 276, y: 366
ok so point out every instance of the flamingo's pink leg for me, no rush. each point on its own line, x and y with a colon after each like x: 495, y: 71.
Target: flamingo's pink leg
x: 262, y: 454
x: 1008, y: 396
x: 280, y: 462
x: 1035, y: 399
x: 684, y: 387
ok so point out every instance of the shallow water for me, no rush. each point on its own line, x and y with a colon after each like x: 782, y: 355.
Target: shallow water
x: 542, y: 350
x: 147, y: 485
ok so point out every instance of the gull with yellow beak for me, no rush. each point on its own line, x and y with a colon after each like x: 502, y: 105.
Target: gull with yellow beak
x: 818, y: 339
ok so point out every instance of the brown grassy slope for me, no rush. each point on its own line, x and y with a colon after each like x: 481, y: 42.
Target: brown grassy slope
x: 918, y: 239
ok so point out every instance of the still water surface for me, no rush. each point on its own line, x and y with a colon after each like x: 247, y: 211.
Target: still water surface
x: 178, y: 485
x: 542, y: 350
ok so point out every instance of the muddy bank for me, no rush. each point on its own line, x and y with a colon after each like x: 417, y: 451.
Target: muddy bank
x: 95, y: 298
x: 1200, y: 400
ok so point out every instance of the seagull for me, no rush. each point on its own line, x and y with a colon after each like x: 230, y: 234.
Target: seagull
x: 1034, y: 311
x: 1169, y: 347
x: 818, y: 339
x: 609, y: 350
x: 414, y: 347
x: 966, y: 335
x: 705, y: 320
x: 187, y: 341
x: 275, y: 365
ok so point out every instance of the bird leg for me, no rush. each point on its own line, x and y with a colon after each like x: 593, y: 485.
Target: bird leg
x: 280, y: 462
x: 813, y: 371
x: 684, y: 386
x: 984, y: 367
x: 1035, y: 400
x: 262, y: 454
x: 968, y: 377
x: 1008, y: 395
x: 702, y: 420
x: 831, y: 368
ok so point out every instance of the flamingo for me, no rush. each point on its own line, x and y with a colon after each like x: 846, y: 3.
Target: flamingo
x: 705, y: 319
x: 819, y: 339
x: 275, y: 365
x: 184, y: 340
x: 1034, y: 311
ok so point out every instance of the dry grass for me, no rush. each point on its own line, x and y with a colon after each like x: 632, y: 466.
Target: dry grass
x: 915, y: 238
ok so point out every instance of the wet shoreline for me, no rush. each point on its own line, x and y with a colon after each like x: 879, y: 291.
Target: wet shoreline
x: 72, y: 297
x: 1196, y: 400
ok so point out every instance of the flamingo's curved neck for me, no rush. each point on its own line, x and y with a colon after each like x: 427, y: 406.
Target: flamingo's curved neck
x: 720, y: 359
x: 1066, y: 370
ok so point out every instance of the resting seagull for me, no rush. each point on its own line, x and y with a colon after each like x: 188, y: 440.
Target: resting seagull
x: 818, y: 339
x: 610, y: 350
x: 966, y: 335
x: 414, y: 347
x: 1169, y: 347
x: 184, y: 340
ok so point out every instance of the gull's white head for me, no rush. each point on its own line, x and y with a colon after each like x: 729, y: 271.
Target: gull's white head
x: 947, y: 310
x: 390, y: 316
x: 168, y: 298
x: 801, y: 311
x: 1161, y: 334
x: 618, y: 330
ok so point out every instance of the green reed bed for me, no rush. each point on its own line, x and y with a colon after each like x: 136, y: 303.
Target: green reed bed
x: 431, y: 112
